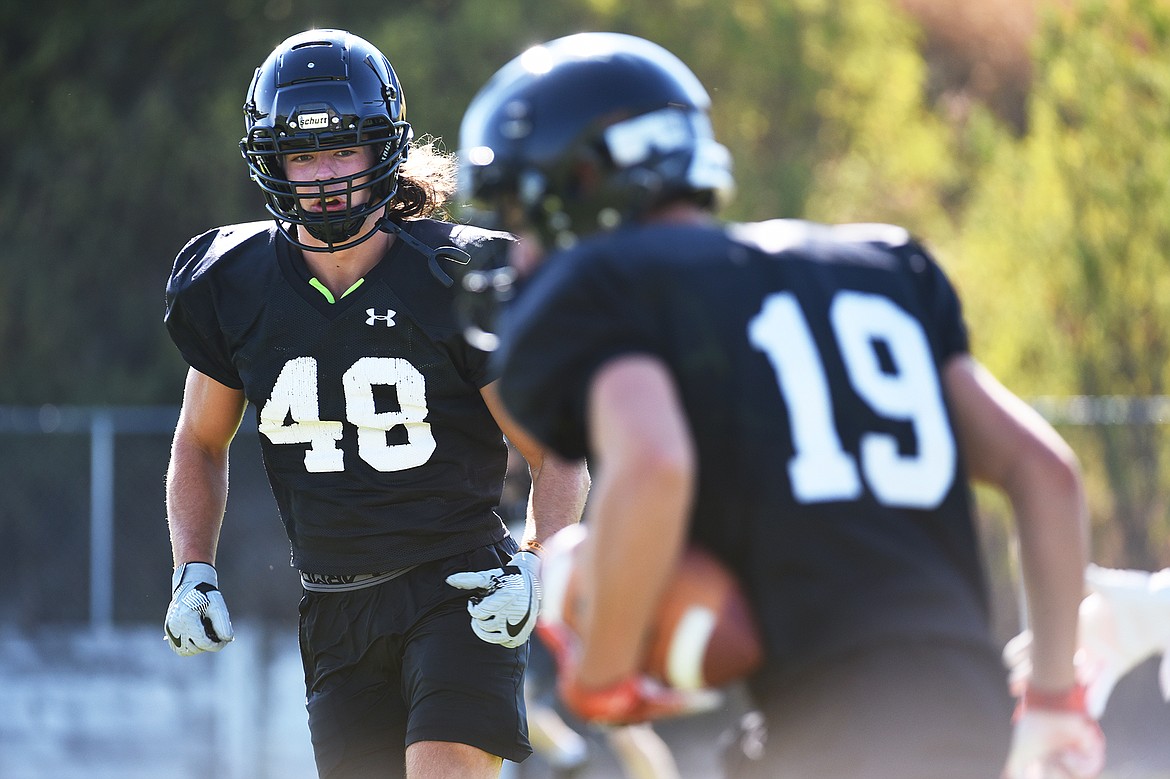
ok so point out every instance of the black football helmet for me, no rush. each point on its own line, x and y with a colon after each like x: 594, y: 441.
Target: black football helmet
x: 321, y: 90
x: 587, y: 132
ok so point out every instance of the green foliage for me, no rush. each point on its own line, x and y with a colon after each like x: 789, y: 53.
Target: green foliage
x: 882, y: 155
x: 1077, y: 209
x: 1064, y: 247
x: 110, y: 174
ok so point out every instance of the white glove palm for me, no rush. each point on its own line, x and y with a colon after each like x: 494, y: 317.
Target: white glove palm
x: 197, y: 619
x: 1055, y: 745
x: 505, y: 611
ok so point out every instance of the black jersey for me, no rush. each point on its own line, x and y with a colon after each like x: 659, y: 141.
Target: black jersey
x: 808, y: 360
x: 379, y: 448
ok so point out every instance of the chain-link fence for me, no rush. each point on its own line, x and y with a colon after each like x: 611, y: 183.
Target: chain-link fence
x: 92, y: 691
x: 83, y: 522
x: 83, y: 529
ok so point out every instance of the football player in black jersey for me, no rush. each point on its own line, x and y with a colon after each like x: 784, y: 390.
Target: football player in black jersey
x: 381, y: 431
x: 797, y: 397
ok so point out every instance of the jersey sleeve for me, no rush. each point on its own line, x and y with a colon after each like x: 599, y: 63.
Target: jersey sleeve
x: 564, y: 327
x: 190, y: 315
x: 940, y: 301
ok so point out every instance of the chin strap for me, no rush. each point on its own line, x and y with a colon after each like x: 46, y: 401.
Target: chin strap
x: 451, y: 253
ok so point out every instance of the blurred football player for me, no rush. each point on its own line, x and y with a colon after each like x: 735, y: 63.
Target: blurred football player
x: 380, y: 427
x: 797, y: 397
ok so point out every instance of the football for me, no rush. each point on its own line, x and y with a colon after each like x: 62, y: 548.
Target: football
x: 704, y: 633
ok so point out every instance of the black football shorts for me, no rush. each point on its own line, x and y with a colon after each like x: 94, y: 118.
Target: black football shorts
x: 389, y: 665
x: 915, y: 710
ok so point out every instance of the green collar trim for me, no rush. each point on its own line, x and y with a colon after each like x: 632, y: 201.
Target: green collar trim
x: 317, y: 285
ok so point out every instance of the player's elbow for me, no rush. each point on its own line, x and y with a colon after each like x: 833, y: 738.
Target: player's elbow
x: 670, y: 469
x: 1043, y: 468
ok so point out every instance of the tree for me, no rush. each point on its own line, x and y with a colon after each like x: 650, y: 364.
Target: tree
x: 1069, y: 232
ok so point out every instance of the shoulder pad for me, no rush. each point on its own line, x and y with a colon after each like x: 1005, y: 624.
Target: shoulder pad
x: 202, y: 251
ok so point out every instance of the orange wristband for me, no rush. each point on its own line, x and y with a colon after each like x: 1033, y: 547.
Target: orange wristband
x: 1070, y: 700
x: 618, y: 703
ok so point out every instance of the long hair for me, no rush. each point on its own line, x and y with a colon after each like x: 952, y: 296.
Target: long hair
x: 426, y: 181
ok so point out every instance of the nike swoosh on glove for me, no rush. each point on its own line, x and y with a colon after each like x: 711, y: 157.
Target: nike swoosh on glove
x: 504, y: 609
x: 197, y: 619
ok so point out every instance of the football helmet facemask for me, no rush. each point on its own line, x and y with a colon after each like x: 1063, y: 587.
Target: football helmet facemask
x: 587, y: 132
x: 322, y: 90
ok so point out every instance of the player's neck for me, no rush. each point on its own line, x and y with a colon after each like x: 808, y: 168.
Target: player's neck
x: 339, y: 271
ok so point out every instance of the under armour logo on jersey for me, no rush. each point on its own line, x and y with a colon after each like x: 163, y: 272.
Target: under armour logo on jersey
x: 373, y: 319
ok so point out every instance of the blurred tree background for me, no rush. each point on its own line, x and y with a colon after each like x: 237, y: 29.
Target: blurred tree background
x: 1027, y: 141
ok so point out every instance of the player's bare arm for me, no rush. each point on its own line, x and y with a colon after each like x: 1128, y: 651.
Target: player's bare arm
x: 197, y: 619
x: 641, y: 500
x: 559, y: 486
x: 1008, y: 444
x: 196, y: 489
